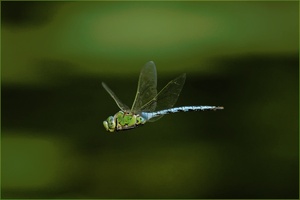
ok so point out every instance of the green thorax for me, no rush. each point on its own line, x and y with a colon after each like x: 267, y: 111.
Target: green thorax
x: 123, y: 121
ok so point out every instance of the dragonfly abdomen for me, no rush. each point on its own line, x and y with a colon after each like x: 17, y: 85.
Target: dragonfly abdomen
x: 149, y: 115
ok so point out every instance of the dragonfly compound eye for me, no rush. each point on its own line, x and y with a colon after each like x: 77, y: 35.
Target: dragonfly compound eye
x: 109, y: 124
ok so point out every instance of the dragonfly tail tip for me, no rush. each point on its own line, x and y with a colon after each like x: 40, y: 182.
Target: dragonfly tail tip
x: 220, y: 107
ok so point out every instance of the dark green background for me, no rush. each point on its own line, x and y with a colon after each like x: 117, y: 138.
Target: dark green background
x: 240, y: 55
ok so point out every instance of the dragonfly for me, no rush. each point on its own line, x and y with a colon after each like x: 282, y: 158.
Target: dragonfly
x: 149, y: 105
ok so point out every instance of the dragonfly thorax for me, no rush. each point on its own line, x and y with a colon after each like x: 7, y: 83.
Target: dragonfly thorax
x: 123, y: 121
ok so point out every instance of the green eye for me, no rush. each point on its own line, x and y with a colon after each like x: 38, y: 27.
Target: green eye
x: 109, y: 124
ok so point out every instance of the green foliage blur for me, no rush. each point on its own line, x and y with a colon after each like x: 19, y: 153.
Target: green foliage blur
x: 240, y: 55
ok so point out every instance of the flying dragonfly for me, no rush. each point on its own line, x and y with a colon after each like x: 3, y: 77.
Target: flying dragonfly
x: 149, y: 105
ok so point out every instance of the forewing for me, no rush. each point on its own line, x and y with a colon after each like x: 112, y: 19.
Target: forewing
x: 146, y: 88
x: 168, y: 96
x: 121, y: 105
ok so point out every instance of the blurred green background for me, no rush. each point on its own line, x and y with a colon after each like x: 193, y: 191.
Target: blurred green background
x: 240, y: 55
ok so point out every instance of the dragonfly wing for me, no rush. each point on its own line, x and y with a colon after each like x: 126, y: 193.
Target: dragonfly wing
x: 168, y: 96
x: 146, y: 88
x: 121, y: 105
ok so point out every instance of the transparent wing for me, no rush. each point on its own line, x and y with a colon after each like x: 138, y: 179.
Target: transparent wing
x: 168, y: 96
x: 146, y: 88
x: 121, y: 105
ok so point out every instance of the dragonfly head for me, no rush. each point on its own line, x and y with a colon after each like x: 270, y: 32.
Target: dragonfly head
x: 110, y: 124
